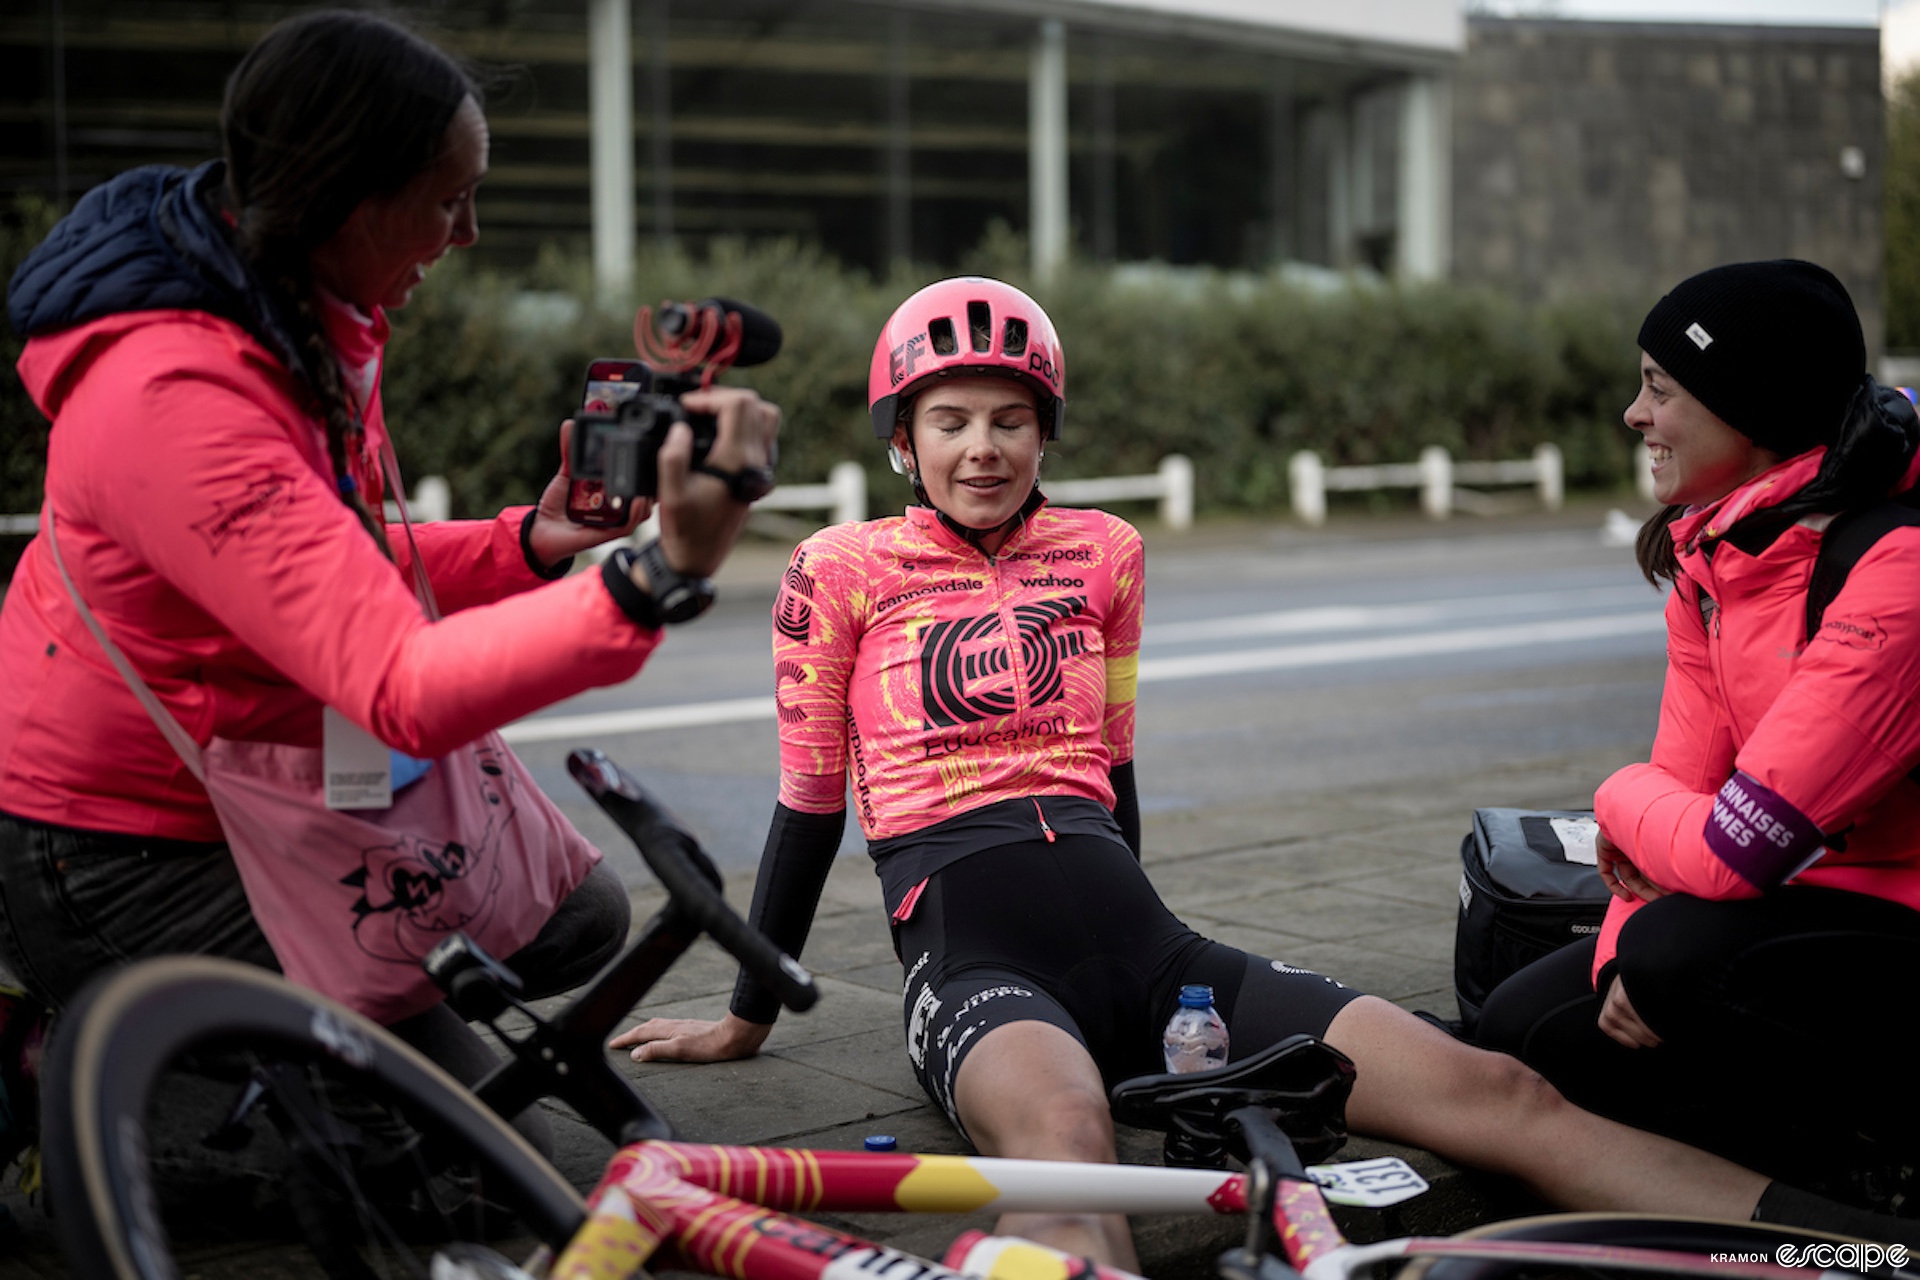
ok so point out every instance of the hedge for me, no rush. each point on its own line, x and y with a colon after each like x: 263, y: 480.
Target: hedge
x: 23, y: 431
x: 1236, y: 371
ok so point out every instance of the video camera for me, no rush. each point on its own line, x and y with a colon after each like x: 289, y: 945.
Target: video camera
x: 628, y: 406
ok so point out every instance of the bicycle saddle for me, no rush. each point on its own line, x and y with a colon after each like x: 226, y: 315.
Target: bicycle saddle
x: 1303, y: 1082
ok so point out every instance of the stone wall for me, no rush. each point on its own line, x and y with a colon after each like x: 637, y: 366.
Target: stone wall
x: 1622, y: 157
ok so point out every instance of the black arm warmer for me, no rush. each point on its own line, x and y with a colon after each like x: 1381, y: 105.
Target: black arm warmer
x: 793, y: 871
x: 1126, y: 805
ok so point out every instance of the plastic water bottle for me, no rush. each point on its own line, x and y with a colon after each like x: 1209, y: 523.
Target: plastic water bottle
x: 1195, y: 1038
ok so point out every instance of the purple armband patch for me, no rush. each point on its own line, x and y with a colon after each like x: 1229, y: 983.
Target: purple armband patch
x: 1762, y: 839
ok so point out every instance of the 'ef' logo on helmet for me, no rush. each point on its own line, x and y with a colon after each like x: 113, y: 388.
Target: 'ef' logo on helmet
x: 903, y: 358
x: 1038, y: 363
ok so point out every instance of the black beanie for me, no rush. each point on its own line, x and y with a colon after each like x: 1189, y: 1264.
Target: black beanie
x: 1774, y: 349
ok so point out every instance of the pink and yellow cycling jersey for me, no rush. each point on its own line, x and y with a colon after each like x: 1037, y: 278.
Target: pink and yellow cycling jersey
x: 942, y: 680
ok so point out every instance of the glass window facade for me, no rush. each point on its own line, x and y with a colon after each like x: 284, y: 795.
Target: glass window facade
x: 880, y: 130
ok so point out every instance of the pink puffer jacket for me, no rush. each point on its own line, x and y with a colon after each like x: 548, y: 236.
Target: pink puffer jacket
x: 1777, y: 758
x: 198, y: 516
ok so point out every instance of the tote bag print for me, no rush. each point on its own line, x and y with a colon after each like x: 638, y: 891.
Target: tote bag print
x: 418, y: 890
x: 352, y: 901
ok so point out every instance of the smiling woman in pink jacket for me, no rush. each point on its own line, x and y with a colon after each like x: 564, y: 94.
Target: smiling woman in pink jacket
x: 1751, y: 990
x: 208, y: 345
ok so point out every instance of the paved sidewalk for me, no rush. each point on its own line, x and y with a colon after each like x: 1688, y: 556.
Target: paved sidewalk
x: 1359, y: 885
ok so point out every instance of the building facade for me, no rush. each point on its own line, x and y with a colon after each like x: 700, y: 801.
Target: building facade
x: 1545, y: 158
x: 1224, y: 132
x: 1619, y: 158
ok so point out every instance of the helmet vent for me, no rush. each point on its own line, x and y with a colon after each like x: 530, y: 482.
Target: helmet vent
x: 1015, y: 343
x: 980, y: 323
x: 941, y: 333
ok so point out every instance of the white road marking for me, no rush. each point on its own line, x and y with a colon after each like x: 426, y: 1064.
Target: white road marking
x: 1420, y: 644
x: 1379, y: 616
x: 1193, y: 666
x: 638, y: 720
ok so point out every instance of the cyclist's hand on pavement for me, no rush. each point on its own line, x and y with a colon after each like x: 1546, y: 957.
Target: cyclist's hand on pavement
x: 553, y: 536
x: 1619, y: 1020
x: 692, y: 1039
x: 699, y: 517
x: 1624, y: 880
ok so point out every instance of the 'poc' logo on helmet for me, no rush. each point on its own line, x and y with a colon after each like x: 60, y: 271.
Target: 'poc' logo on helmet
x: 902, y: 360
x: 1038, y: 363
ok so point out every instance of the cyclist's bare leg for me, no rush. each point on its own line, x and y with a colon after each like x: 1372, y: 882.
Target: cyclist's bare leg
x: 1030, y: 1091
x: 1418, y: 1085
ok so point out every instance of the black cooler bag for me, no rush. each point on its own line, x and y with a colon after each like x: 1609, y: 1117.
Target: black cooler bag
x: 1528, y: 886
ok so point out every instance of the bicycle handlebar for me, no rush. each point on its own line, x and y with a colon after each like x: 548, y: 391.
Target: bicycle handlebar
x: 689, y: 876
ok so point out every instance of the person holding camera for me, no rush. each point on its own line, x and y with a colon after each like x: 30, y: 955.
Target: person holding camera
x: 969, y: 671
x: 1765, y: 862
x: 208, y: 346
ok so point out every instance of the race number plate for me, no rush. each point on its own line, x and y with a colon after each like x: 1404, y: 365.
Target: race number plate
x: 1368, y: 1184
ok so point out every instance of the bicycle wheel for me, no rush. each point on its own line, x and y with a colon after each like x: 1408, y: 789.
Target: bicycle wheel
x: 204, y: 1111
x: 1751, y: 1241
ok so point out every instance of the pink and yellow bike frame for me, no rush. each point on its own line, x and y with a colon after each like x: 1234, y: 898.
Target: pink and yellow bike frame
x: 727, y: 1211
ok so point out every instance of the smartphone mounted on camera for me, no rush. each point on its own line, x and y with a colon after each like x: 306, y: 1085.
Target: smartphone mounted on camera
x: 610, y: 385
x: 617, y: 437
x: 628, y: 406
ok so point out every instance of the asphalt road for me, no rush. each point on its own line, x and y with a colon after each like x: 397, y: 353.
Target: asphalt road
x: 1275, y: 661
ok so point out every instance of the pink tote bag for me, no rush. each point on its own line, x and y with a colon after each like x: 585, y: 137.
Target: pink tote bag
x: 351, y: 901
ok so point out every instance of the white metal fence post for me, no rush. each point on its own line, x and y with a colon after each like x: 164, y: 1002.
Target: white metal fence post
x: 1552, y: 478
x: 1436, y: 482
x: 1176, y: 503
x: 1643, y: 471
x: 432, y: 499
x: 1307, y: 487
x: 848, y: 480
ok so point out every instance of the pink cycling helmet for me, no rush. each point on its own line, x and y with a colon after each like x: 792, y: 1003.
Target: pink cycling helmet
x: 966, y: 327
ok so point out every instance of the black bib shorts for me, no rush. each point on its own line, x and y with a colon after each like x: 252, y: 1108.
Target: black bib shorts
x: 1070, y: 932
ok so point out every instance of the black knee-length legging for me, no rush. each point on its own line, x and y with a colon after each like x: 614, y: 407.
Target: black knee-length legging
x: 1789, y: 1026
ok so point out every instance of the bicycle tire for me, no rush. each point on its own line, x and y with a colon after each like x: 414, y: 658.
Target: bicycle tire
x: 1649, y: 1231
x: 196, y: 1018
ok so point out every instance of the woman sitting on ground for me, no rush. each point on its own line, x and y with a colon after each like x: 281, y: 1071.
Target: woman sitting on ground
x: 1748, y: 992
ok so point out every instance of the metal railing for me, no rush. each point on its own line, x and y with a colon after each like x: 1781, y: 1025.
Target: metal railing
x: 1172, y: 485
x: 843, y: 498
x: 1436, y: 475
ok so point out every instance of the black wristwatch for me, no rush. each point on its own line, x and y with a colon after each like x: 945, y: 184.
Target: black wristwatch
x: 674, y: 597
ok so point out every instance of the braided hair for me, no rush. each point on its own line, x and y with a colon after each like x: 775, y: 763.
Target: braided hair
x: 328, y: 109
